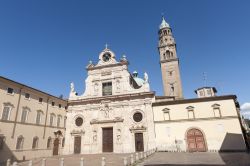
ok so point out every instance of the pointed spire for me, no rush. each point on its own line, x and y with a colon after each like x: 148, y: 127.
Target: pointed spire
x: 164, y: 24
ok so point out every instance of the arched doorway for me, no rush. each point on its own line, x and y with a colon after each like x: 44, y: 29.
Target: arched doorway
x: 56, y: 146
x: 196, y: 141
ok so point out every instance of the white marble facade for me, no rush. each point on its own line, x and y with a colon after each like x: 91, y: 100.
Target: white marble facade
x: 127, y: 95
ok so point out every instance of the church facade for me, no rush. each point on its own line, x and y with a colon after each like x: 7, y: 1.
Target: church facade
x: 119, y: 113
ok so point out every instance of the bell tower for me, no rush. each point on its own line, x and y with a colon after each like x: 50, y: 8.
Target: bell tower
x: 169, y: 62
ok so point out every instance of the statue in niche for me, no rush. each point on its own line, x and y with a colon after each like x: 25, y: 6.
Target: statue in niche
x: 106, y: 111
x: 96, y: 87
x: 94, y: 136
x: 118, y: 135
x: 146, y: 77
x: 118, y: 85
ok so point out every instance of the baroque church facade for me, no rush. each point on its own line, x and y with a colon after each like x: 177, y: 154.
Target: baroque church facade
x: 119, y: 113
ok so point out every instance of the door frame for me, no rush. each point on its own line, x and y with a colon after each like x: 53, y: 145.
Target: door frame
x: 204, y: 138
x: 103, y: 128
x: 80, y: 144
x: 142, y: 141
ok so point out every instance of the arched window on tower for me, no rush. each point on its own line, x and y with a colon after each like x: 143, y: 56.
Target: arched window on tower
x: 171, y: 54
x: 165, y: 32
x: 168, y: 54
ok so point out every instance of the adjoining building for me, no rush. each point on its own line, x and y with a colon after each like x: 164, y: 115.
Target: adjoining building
x: 32, y: 122
x: 119, y: 113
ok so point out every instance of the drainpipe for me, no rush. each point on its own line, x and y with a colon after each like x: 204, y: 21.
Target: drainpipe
x: 17, y: 110
x: 46, y: 116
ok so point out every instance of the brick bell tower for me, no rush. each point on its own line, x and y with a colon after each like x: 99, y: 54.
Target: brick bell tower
x: 169, y: 62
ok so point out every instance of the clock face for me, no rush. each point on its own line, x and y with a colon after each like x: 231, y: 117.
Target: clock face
x: 106, y: 57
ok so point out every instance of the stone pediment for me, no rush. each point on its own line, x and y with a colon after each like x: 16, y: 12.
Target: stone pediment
x: 115, y: 120
x: 77, y: 132
x: 138, y: 128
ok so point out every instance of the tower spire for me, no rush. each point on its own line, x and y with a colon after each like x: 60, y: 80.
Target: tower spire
x: 169, y: 62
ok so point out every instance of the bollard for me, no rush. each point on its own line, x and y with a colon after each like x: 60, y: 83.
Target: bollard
x: 131, y: 159
x: 30, y: 163
x: 103, y: 161
x: 125, y: 161
x: 8, y: 162
x: 141, y: 155
x: 136, y: 157
x: 62, y: 162
x: 81, y: 161
x: 15, y: 164
x: 44, y: 162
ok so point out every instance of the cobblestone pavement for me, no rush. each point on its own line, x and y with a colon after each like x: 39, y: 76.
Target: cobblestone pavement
x: 203, y: 159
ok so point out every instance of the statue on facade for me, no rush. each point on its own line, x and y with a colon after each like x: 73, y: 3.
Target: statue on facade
x: 94, y: 136
x: 118, y: 135
x: 146, y: 77
x: 72, y: 90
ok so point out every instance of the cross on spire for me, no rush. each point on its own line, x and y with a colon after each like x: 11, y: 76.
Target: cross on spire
x: 106, y: 46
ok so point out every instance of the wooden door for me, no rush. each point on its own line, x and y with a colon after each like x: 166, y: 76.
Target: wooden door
x: 77, y: 144
x: 107, y: 139
x: 56, y: 146
x: 196, y: 141
x: 139, y: 145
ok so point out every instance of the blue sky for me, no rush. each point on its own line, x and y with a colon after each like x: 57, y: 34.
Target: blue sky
x: 47, y: 44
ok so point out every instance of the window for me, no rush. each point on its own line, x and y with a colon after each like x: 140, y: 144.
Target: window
x: 2, y: 140
x: 217, y: 112
x: 216, y: 109
x: 24, y: 115
x: 35, y: 143
x: 10, y: 90
x: 19, y: 144
x: 60, y: 106
x: 53, y: 103
x: 209, y: 92
x: 49, y: 143
x: 79, y: 121
x: 137, y: 117
x: 166, y: 114
x: 190, y: 114
x: 52, y: 117
x: 58, y: 120
x: 6, y: 111
x: 201, y: 93
x: 107, y: 88
x: 27, y: 95
x: 39, y: 117
x: 40, y: 100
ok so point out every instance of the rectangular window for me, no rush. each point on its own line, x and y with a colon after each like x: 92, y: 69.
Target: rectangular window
x: 40, y: 100
x: 27, y: 95
x: 190, y: 114
x: 6, y: 112
x: 24, y: 115
x: 166, y: 116
x: 51, y: 121
x: 60, y: 106
x: 53, y: 103
x: 38, y: 117
x: 1, y: 142
x: 10, y: 90
x: 217, y: 112
x: 107, y: 88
